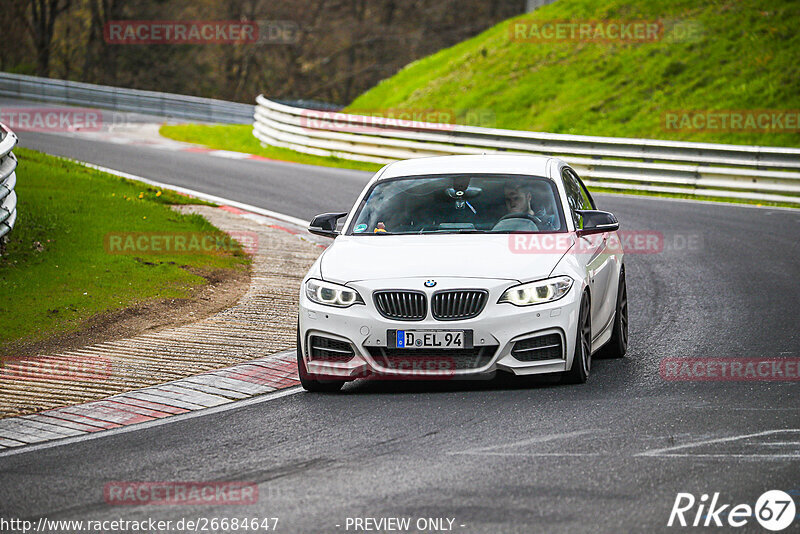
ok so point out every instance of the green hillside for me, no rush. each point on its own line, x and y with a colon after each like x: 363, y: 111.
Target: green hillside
x: 712, y: 55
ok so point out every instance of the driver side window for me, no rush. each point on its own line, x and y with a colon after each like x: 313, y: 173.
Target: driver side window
x: 577, y: 198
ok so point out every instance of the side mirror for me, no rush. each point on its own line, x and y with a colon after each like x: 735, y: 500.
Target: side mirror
x: 597, y: 222
x: 325, y: 224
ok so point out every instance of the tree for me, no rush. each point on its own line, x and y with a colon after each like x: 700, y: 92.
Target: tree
x: 340, y: 48
x: 39, y: 17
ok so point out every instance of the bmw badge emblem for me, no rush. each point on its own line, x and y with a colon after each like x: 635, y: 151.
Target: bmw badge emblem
x: 430, y: 283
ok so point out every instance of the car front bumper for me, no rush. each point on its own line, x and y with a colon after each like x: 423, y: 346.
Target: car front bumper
x: 497, y: 328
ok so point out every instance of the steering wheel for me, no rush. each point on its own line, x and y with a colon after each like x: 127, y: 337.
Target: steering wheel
x: 522, y: 215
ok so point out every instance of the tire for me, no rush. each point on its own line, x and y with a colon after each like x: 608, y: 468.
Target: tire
x: 312, y: 382
x: 582, y: 358
x: 617, y: 346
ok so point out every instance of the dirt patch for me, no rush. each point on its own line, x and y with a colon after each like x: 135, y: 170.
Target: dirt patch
x: 225, y: 288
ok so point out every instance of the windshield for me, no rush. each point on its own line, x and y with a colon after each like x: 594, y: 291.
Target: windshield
x: 460, y: 203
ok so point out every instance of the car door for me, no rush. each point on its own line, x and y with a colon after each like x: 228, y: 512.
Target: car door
x: 593, y: 251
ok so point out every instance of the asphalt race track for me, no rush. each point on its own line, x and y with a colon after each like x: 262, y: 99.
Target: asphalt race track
x: 506, y: 455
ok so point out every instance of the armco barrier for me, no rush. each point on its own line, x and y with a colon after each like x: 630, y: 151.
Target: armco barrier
x: 734, y: 171
x: 120, y: 99
x: 8, y: 179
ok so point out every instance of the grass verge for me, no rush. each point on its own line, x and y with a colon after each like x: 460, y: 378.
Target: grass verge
x: 722, y: 55
x: 57, y: 274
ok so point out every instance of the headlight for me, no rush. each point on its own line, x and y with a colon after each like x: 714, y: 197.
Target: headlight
x: 332, y: 294
x: 537, y: 292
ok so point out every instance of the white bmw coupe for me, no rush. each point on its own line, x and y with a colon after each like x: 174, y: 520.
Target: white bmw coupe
x: 461, y: 266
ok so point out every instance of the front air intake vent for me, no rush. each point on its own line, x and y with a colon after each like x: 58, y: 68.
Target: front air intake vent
x: 532, y: 349
x: 329, y: 350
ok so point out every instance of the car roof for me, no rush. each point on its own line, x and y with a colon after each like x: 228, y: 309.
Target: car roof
x: 487, y: 163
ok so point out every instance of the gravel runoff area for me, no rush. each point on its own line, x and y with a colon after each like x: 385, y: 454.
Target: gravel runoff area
x: 263, y: 322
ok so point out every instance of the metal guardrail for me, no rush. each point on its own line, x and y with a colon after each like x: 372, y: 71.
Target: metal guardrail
x: 733, y: 171
x: 8, y: 179
x: 120, y: 99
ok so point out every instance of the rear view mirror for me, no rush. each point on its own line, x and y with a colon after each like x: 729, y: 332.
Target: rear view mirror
x: 325, y: 224
x: 597, y: 222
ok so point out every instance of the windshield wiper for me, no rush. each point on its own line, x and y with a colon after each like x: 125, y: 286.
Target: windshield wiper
x: 458, y: 231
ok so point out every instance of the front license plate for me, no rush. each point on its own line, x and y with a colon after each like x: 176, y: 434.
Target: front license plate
x: 430, y: 339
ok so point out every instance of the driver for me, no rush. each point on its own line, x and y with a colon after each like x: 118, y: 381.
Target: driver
x: 519, y: 200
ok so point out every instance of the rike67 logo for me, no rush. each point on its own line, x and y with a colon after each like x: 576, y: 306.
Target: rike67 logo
x: 774, y: 510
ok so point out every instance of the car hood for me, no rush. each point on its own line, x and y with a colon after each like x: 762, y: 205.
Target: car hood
x: 356, y: 258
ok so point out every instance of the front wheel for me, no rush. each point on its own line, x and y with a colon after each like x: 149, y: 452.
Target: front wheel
x: 582, y: 358
x: 309, y: 381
